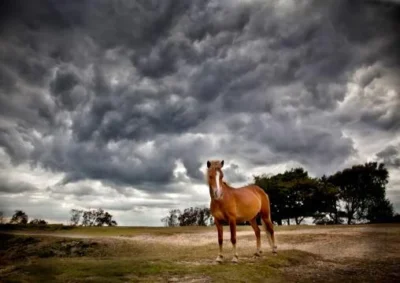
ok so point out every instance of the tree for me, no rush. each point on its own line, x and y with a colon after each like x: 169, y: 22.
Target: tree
x: 1, y: 217
x: 275, y: 191
x: 104, y: 218
x: 19, y: 217
x: 171, y: 219
x: 38, y: 222
x: 92, y: 217
x: 75, y: 216
x: 380, y: 211
x: 360, y: 187
x: 194, y: 216
x: 290, y: 194
x: 89, y: 218
x: 188, y: 217
x: 204, y: 216
x: 325, y: 200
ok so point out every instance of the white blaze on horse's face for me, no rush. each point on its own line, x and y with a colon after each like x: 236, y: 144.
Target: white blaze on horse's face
x: 217, y: 190
x: 215, y: 176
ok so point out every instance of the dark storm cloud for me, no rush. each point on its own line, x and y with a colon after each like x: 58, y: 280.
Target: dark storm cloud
x: 85, y: 84
x: 8, y: 186
x: 390, y: 156
x: 64, y: 87
x: 146, y: 166
x: 78, y: 191
x: 283, y: 139
x: 233, y: 173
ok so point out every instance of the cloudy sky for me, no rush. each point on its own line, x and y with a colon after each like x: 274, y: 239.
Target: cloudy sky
x: 119, y: 104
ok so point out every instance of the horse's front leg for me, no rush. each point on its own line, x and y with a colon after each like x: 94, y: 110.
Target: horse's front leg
x: 220, y: 229
x: 232, y: 226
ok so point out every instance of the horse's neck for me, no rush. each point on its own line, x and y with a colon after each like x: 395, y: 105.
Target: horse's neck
x: 225, y: 188
x: 225, y: 185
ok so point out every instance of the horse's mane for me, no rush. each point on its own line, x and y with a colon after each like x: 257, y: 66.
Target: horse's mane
x: 226, y: 184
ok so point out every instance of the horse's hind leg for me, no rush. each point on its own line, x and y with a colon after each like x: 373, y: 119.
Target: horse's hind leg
x: 253, y: 223
x: 269, y: 227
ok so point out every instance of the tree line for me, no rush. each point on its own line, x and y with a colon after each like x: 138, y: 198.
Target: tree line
x: 352, y: 195
x: 90, y: 217
x: 193, y: 216
x: 20, y: 217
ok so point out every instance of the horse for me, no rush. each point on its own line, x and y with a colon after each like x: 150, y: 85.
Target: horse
x: 233, y: 205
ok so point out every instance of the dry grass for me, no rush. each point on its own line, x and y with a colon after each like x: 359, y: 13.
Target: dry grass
x: 365, y: 253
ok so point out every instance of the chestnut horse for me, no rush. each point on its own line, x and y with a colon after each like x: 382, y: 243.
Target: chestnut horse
x: 234, y: 205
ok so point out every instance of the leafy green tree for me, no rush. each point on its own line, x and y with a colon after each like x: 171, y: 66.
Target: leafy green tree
x: 203, y: 216
x: 360, y: 187
x: 325, y: 201
x: 291, y: 194
x: 380, y: 211
x: 19, y: 217
x: 171, y: 219
x: 38, y: 222
x: 89, y: 218
x: 104, y: 218
x: 272, y: 186
x: 194, y: 216
x: 92, y: 217
x: 75, y: 216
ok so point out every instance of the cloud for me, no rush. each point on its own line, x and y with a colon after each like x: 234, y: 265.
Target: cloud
x: 116, y: 93
x: 8, y: 186
x: 390, y: 156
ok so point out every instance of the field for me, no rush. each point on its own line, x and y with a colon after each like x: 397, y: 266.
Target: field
x: 359, y: 253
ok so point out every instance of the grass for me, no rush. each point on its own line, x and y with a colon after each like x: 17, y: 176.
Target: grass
x: 26, y: 259
x: 115, y: 269
x: 42, y: 258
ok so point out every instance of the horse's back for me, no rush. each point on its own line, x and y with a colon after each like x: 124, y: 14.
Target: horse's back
x: 249, y: 200
x: 254, y: 189
x: 261, y: 195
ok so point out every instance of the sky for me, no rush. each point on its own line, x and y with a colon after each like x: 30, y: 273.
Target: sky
x: 119, y: 104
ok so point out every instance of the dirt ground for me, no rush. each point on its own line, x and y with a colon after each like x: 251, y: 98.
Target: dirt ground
x: 368, y: 253
x: 356, y: 242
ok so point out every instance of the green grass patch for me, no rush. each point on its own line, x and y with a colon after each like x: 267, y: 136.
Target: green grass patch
x: 130, y: 261
x: 121, y: 269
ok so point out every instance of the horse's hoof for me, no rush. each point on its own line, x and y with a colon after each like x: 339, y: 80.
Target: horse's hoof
x: 235, y: 259
x: 257, y: 254
x: 219, y: 259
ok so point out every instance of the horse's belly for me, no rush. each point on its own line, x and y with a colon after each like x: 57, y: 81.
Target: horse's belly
x: 246, y: 215
x: 247, y: 209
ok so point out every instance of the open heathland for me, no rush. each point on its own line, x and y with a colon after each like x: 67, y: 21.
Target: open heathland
x: 355, y: 253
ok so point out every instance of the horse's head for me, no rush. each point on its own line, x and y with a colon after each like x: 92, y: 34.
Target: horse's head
x: 214, y: 177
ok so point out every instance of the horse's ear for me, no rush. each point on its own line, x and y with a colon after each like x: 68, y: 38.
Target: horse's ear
x: 222, y: 163
x: 208, y: 164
